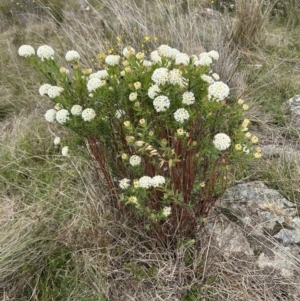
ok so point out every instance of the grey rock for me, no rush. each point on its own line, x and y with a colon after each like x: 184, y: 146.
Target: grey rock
x: 255, y: 219
x: 292, y: 110
x: 287, y: 153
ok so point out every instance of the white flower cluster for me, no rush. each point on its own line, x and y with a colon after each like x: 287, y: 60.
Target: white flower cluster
x: 153, y: 91
x: 161, y: 103
x: 128, y: 52
x: 175, y: 77
x: 140, y: 55
x: 221, y: 141
x: 45, y: 52
x: 158, y: 180
x: 168, y: 52
x: 135, y: 160
x: 181, y: 115
x: 94, y: 83
x: 208, y: 79
x: 214, y: 55
x: 88, y: 114
x: 147, y: 182
x: 160, y: 76
x: 164, y: 50
x: 101, y: 74
x: 182, y: 59
x: 62, y: 116
x: 54, y: 91
x: 76, y: 110
x: 147, y: 63
x: 26, y: 51
x: 218, y: 91
x: 167, y: 211
x: 215, y: 76
x: 155, y: 57
x: 188, y: 98
x: 56, y: 141
x: 50, y: 115
x: 43, y: 90
x: 137, y: 85
x: 124, y: 183
x: 204, y: 60
x: 143, y: 182
x: 72, y: 55
x: 112, y: 60
x: 132, y: 96
x: 65, y: 151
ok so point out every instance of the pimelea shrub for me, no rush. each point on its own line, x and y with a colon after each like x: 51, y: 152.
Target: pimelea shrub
x: 162, y: 129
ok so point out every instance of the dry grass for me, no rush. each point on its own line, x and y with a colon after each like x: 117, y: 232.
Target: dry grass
x: 250, y: 19
x: 55, y: 222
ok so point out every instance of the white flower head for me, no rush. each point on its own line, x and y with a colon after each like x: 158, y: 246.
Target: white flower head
x: 218, y: 90
x: 128, y: 52
x: 208, y: 79
x: 54, y: 91
x: 163, y: 50
x: 155, y: 57
x: 182, y: 59
x: 147, y: 63
x: 181, y: 132
x: 214, y: 55
x: 160, y: 76
x: 137, y: 85
x: 65, y: 151
x: 135, y: 160
x: 194, y: 58
x: 158, y: 180
x: 133, y: 200
x: 56, y: 141
x: 167, y: 211
x: 119, y: 113
x: 145, y: 182
x: 94, y: 83
x: 215, y: 76
x: 101, y: 74
x: 45, y: 52
x: 43, y: 90
x: 112, y: 60
x: 26, y: 51
x: 76, y: 110
x: 62, y: 116
x: 124, y: 183
x: 140, y: 55
x: 188, y: 98
x: 50, y: 115
x: 153, y: 91
x: 181, y: 115
x: 132, y: 96
x: 221, y: 141
x: 64, y: 70
x: 204, y: 60
x: 172, y: 53
x: 161, y: 103
x: 72, y: 55
x: 175, y: 77
x: 88, y: 114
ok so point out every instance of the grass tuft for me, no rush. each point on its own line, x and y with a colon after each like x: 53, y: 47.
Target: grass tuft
x: 57, y: 239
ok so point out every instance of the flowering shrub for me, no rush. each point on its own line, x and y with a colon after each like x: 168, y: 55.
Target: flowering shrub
x: 161, y: 130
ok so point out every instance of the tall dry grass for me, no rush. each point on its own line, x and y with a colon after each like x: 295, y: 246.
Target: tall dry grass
x: 57, y: 241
